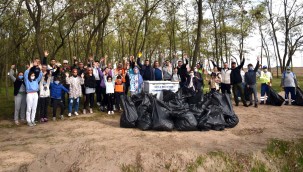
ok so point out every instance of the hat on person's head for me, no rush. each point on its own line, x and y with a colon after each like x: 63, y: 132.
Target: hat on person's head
x: 264, y: 67
x: 287, y: 67
x: 65, y: 61
x: 136, y: 68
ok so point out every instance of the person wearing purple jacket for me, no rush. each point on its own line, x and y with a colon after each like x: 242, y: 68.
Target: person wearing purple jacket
x: 103, y: 75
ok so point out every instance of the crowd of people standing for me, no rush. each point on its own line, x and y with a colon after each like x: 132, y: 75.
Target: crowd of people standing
x: 46, y: 84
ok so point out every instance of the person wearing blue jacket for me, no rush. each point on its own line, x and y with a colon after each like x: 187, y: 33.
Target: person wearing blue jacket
x: 32, y: 87
x: 56, y: 90
x: 251, y: 82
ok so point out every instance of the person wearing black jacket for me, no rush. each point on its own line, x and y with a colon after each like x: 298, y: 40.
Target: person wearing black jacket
x: 90, y: 88
x: 250, y: 81
x: 146, y: 70
x: 236, y: 82
x: 182, y: 72
x: 20, y: 95
x: 196, y: 79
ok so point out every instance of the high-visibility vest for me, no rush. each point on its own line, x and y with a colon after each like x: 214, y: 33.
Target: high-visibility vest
x: 264, y: 78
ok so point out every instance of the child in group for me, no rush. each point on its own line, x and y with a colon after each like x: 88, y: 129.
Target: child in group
x: 75, y: 93
x: 44, y: 96
x: 90, y: 89
x: 110, y: 90
x: 32, y: 88
x: 214, y: 82
x: 56, y: 92
x: 20, y: 95
x: 119, y: 90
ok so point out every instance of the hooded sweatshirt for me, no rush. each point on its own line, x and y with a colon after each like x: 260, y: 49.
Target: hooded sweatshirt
x: 32, y: 85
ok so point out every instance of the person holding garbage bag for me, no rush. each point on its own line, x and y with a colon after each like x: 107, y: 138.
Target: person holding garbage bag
x: 265, y: 80
x: 289, y: 84
x: 236, y: 81
x: 250, y: 80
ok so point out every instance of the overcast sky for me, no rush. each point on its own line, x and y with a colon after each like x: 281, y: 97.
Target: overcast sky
x: 253, y: 43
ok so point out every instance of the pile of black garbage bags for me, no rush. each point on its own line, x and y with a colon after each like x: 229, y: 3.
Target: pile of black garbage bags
x: 277, y: 100
x: 183, y: 111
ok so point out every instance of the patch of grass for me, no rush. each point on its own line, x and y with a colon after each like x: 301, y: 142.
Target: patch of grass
x: 136, y: 167
x: 288, y: 155
x: 191, y: 167
x: 259, y: 167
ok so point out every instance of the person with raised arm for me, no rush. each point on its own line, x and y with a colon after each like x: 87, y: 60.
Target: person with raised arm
x: 32, y: 88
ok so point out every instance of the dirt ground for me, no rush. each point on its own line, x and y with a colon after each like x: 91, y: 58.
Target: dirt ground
x: 97, y: 143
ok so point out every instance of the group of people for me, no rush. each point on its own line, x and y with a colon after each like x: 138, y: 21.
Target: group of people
x: 43, y: 85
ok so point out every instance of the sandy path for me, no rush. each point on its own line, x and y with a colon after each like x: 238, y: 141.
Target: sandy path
x: 99, y: 144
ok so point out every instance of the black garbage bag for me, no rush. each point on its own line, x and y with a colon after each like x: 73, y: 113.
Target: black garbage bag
x: 195, y: 98
x: 197, y: 110
x: 212, y: 118
x: 168, y: 95
x: 137, y: 98
x: 144, y: 111
x: 129, y: 116
x: 299, y: 96
x: 161, y: 117
x: 230, y: 117
x: 185, y: 121
x: 274, y: 98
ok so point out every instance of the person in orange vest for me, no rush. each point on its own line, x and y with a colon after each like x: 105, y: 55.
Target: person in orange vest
x: 119, y: 89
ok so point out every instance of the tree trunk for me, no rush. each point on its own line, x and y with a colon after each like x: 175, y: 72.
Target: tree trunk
x: 198, y: 39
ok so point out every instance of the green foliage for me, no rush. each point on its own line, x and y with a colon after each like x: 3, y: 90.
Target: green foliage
x: 288, y: 155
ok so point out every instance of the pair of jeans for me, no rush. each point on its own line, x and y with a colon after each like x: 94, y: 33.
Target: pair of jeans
x: 264, y: 89
x: 239, y: 88
x: 56, y: 103
x: 89, y: 99
x: 292, y: 91
x: 104, y: 97
x: 72, y: 102
x: 252, y: 89
x: 98, y: 91
x: 110, y: 101
x: 31, y: 102
x: 20, y: 106
x: 225, y: 88
x: 118, y: 99
x: 43, y: 104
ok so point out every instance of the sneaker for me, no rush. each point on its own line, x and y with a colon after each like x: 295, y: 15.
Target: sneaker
x: 250, y: 104
x: 245, y: 105
x: 34, y: 123
x: 114, y: 107
x: 17, y: 123
x: 102, y: 109
x: 90, y: 110
x: 76, y: 113
x: 30, y: 124
x: 84, y: 111
x: 262, y: 103
x: 108, y: 112
x: 62, y: 117
x: 286, y: 103
x: 98, y: 104
x: 69, y: 114
x: 256, y: 105
x: 45, y: 119
x: 113, y: 112
x: 293, y: 103
x: 54, y: 118
x: 42, y: 120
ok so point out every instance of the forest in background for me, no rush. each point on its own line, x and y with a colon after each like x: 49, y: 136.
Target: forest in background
x: 160, y: 29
